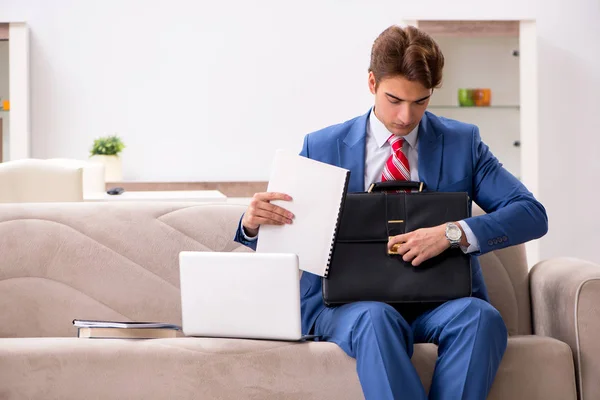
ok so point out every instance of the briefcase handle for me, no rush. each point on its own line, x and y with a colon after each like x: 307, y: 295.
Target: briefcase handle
x: 395, y: 185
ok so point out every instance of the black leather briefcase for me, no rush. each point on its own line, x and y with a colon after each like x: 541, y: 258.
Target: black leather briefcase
x: 361, y: 268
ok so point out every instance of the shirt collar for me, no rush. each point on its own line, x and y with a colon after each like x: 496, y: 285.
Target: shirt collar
x: 381, y: 133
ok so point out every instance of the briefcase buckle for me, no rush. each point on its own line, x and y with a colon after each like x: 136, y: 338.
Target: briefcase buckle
x: 394, y: 249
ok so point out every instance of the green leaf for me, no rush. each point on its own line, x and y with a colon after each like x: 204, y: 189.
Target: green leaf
x: 107, y: 146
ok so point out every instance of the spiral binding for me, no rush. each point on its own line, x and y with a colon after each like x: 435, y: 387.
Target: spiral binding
x: 337, y: 224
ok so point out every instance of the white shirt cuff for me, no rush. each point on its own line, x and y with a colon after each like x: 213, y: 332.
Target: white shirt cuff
x: 471, y: 238
x: 249, y: 238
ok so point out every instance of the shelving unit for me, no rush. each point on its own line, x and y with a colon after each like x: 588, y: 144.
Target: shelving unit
x: 481, y: 54
x: 4, y: 85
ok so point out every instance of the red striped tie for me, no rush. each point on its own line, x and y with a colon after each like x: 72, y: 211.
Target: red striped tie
x: 396, y: 167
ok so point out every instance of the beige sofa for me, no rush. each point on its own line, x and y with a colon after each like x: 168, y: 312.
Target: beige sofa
x: 119, y: 261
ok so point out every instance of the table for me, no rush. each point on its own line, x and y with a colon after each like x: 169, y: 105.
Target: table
x: 159, y: 195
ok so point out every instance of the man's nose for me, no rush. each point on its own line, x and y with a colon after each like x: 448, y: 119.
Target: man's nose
x: 404, y: 113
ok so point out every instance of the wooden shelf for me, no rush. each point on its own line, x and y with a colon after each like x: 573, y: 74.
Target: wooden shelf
x: 505, y: 107
x: 470, y: 28
x: 229, y: 189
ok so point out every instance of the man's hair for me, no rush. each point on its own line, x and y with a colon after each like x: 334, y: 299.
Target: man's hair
x: 407, y: 52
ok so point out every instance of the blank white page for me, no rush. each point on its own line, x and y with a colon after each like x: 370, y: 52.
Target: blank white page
x: 317, y: 190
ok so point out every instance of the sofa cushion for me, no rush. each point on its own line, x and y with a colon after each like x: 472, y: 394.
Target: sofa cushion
x: 201, y: 368
x: 533, y: 367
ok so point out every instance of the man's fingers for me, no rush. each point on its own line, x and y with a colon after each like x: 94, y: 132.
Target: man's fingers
x: 403, y: 248
x: 418, y: 260
x: 274, y: 209
x: 260, y: 201
x: 410, y: 255
x: 260, y: 211
x: 272, y: 218
x: 258, y: 221
x: 397, y: 240
x: 269, y: 196
x: 400, y: 248
x: 267, y: 221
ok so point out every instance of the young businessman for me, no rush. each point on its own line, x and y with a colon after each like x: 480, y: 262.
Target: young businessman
x: 398, y: 140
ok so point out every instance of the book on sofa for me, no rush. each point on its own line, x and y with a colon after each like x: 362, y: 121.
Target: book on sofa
x: 124, y: 330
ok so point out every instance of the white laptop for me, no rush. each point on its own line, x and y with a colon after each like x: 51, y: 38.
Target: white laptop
x: 240, y: 295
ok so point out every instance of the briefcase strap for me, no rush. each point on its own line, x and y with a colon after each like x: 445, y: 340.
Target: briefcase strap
x: 395, y: 185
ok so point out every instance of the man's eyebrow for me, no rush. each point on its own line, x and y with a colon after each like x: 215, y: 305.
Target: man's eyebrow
x: 399, y: 99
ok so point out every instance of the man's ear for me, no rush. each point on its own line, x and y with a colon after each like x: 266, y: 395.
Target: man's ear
x: 372, y: 83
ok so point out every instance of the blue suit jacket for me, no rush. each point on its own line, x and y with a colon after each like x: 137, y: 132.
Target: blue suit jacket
x: 452, y: 158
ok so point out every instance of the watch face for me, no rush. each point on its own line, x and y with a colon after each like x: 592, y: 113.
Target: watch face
x: 453, y: 232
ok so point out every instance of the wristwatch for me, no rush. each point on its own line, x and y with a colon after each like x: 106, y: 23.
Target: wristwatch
x: 453, y: 234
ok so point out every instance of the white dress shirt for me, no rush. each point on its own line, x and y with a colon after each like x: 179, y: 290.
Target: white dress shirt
x: 378, y: 150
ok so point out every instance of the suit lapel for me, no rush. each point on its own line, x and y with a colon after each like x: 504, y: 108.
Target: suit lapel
x: 351, y: 153
x: 430, y: 153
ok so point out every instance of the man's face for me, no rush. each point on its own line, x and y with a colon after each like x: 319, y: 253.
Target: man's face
x: 399, y: 103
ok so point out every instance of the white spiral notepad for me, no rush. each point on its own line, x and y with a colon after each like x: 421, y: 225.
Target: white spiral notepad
x: 317, y: 190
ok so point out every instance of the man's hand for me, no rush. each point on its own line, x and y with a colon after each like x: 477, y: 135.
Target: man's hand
x: 261, y: 211
x: 419, y: 246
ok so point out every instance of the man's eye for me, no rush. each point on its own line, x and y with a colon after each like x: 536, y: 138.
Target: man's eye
x: 393, y: 101
x: 420, y: 103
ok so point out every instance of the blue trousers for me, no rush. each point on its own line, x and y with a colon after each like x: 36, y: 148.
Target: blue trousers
x: 470, y: 334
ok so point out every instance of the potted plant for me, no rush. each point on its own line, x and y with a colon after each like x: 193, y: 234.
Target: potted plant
x: 106, y: 151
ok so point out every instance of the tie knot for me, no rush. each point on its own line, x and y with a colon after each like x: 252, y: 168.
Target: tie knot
x: 396, y: 142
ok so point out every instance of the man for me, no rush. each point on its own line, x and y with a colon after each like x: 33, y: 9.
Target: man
x: 399, y: 140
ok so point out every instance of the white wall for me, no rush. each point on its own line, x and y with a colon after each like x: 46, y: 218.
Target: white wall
x: 198, y: 90
x: 569, y: 127
x: 207, y: 90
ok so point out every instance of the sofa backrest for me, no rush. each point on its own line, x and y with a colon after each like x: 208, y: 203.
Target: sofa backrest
x: 506, y: 276
x: 119, y: 261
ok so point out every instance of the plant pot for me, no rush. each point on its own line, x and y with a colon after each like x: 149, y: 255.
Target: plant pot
x: 113, y: 170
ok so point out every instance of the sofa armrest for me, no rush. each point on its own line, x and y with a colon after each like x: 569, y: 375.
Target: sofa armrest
x: 565, y: 297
